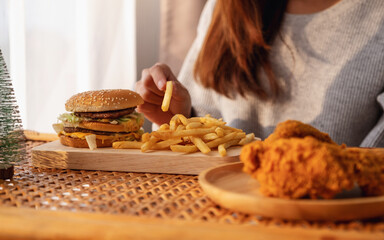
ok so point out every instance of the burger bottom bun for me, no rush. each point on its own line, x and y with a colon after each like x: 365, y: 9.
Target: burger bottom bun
x: 82, y: 143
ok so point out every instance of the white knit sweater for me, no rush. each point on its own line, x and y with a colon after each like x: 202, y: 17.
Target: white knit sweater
x: 331, y: 70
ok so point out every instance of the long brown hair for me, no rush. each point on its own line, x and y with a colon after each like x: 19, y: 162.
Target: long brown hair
x: 237, y: 46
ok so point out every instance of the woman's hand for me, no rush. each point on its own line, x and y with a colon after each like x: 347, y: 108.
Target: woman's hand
x: 151, y: 87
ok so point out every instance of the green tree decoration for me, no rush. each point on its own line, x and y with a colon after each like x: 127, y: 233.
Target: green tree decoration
x: 12, y: 141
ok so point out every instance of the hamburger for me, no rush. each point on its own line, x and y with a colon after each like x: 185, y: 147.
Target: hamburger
x: 99, y: 118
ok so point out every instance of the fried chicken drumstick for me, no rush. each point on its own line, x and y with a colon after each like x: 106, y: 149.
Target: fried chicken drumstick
x: 299, y: 161
x: 297, y: 129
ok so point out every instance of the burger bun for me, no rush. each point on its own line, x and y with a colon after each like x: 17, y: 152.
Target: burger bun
x: 82, y: 143
x: 103, y: 100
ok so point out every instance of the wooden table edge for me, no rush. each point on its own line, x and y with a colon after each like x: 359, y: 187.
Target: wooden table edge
x: 26, y: 223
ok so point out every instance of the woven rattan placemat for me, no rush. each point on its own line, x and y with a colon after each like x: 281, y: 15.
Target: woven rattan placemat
x: 161, y: 196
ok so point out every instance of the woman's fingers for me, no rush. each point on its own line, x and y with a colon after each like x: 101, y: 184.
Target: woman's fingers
x: 161, y: 73
x: 148, y: 82
x: 151, y: 88
x: 152, y: 84
x: 180, y: 93
x: 153, y: 113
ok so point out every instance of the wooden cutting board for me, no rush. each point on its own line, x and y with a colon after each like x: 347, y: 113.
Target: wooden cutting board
x: 55, y: 155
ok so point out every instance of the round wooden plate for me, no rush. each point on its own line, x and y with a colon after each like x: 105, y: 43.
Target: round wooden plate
x: 230, y: 187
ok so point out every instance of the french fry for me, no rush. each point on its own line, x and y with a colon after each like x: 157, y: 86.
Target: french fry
x: 209, y: 137
x: 147, y: 145
x: 173, y: 122
x: 189, y: 135
x: 218, y: 141
x: 240, y: 135
x: 248, y: 138
x: 184, y: 148
x: 127, y: 144
x: 164, y: 126
x: 166, y: 143
x: 167, y: 96
x: 214, y: 124
x: 222, y: 148
x: 231, y: 128
x: 194, y: 132
x: 183, y: 119
x: 167, y: 134
x: 164, y: 134
x: 180, y: 127
x: 145, y: 137
x: 219, y: 131
x: 193, y: 125
x: 209, y: 119
x: 194, y: 119
x: 200, y: 144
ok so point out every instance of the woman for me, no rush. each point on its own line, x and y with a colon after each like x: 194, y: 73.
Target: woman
x: 258, y: 63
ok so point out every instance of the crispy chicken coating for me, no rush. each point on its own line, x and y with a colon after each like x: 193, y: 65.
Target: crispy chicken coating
x: 298, y: 167
x: 293, y: 128
x: 368, y: 169
x: 299, y: 161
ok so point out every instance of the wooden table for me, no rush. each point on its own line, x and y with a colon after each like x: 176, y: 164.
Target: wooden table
x: 67, y: 204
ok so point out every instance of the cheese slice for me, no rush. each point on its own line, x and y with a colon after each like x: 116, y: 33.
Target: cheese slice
x: 115, y: 137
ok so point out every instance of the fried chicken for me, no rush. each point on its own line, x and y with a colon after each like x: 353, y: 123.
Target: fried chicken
x: 299, y: 161
x: 293, y: 128
x: 368, y: 169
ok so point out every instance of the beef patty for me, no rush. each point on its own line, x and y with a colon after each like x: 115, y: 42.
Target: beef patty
x: 108, y: 114
x: 77, y: 129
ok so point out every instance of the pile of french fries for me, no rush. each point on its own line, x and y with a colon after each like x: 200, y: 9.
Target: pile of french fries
x: 190, y: 135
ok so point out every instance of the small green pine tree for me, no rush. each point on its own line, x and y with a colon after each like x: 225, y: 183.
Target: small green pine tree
x: 12, y: 143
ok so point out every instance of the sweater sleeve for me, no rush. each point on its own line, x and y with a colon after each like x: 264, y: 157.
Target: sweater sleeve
x: 375, y: 137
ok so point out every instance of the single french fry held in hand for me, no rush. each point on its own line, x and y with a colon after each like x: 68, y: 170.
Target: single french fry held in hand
x: 188, y: 135
x: 167, y: 96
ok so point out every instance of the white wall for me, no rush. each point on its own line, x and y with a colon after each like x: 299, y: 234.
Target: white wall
x: 45, y: 19
x: 147, y: 39
x: 4, y: 31
x: 148, y: 24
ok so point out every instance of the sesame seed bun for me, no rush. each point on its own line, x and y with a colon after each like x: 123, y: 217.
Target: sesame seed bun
x: 103, y: 100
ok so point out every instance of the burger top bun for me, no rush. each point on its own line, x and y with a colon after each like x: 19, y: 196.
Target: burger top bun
x: 103, y: 100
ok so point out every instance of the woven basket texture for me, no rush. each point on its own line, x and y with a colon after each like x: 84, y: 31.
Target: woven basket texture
x: 162, y: 196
